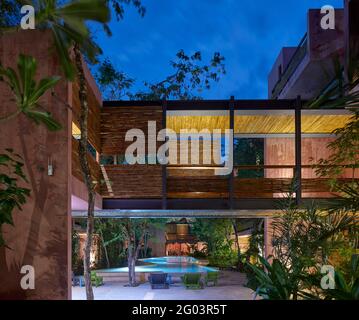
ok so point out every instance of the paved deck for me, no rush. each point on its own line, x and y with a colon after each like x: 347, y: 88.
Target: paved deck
x: 230, y: 287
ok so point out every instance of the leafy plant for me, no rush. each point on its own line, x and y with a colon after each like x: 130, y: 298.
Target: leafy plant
x: 216, y: 233
x: 126, y: 238
x: 28, y: 92
x: 11, y: 194
x: 346, y: 289
x: 275, y: 281
x: 346, y: 283
x: 303, y: 240
x: 343, y: 152
x: 70, y: 31
x: 68, y: 25
x: 223, y: 257
x: 114, y: 84
x: 190, y: 78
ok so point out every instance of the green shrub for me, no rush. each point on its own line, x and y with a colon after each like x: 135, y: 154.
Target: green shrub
x: 223, y: 257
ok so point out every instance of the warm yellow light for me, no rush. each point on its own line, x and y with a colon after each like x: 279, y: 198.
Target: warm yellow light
x: 76, y: 132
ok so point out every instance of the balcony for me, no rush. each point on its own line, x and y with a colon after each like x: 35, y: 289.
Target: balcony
x: 295, y: 61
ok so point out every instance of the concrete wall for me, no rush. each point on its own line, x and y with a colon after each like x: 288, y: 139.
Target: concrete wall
x: 41, y: 236
x: 282, y: 61
x: 316, y: 69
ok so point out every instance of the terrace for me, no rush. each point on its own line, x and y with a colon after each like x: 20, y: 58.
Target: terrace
x: 232, y: 287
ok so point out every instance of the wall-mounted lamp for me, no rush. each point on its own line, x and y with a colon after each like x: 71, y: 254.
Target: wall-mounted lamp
x: 50, y: 167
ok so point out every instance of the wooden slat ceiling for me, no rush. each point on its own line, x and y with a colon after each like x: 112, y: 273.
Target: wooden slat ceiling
x: 260, y: 124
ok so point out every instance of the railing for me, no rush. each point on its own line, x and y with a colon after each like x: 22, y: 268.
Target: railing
x: 200, y: 182
x: 293, y: 64
x: 271, y: 181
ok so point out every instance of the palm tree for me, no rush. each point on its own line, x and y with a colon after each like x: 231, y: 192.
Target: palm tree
x: 70, y: 32
x: 68, y: 25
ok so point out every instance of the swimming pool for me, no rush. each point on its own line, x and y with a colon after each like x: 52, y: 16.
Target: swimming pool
x: 168, y: 265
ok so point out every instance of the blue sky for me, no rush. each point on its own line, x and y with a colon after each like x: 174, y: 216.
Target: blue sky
x: 248, y: 33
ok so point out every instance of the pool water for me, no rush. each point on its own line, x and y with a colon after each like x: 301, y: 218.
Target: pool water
x: 168, y: 265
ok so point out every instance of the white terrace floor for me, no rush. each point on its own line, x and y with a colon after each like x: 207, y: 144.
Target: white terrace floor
x: 230, y: 287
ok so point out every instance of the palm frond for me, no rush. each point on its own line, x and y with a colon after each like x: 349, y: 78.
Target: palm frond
x: 28, y: 92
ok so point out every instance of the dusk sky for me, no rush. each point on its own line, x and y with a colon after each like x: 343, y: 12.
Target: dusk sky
x: 248, y: 33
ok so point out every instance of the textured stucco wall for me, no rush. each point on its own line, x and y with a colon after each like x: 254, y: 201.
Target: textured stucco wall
x: 42, y: 231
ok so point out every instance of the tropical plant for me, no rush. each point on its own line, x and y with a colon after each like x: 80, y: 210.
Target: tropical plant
x: 69, y: 28
x: 68, y: 23
x: 12, y: 195
x: 132, y: 233
x: 276, y: 282
x: 306, y: 238
x: 343, y: 152
x: 256, y: 241
x: 217, y: 235
x: 346, y: 283
x: 110, y: 232
x: 303, y: 240
x: 28, y: 92
x: 345, y: 289
x: 223, y: 257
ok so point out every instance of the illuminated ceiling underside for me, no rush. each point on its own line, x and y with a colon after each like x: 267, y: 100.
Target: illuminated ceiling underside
x: 260, y: 124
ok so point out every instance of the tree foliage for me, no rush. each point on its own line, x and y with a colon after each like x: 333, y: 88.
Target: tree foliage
x: 303, y: 240
x: 119, y: 7
x: 126, y: 238
x: 188, y: 81
x: 277, y: 282
x: 68, y: 22
x: 10, y: 13
x: 114, y: 84
x: 217, y: 235
x: 12, y: 194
